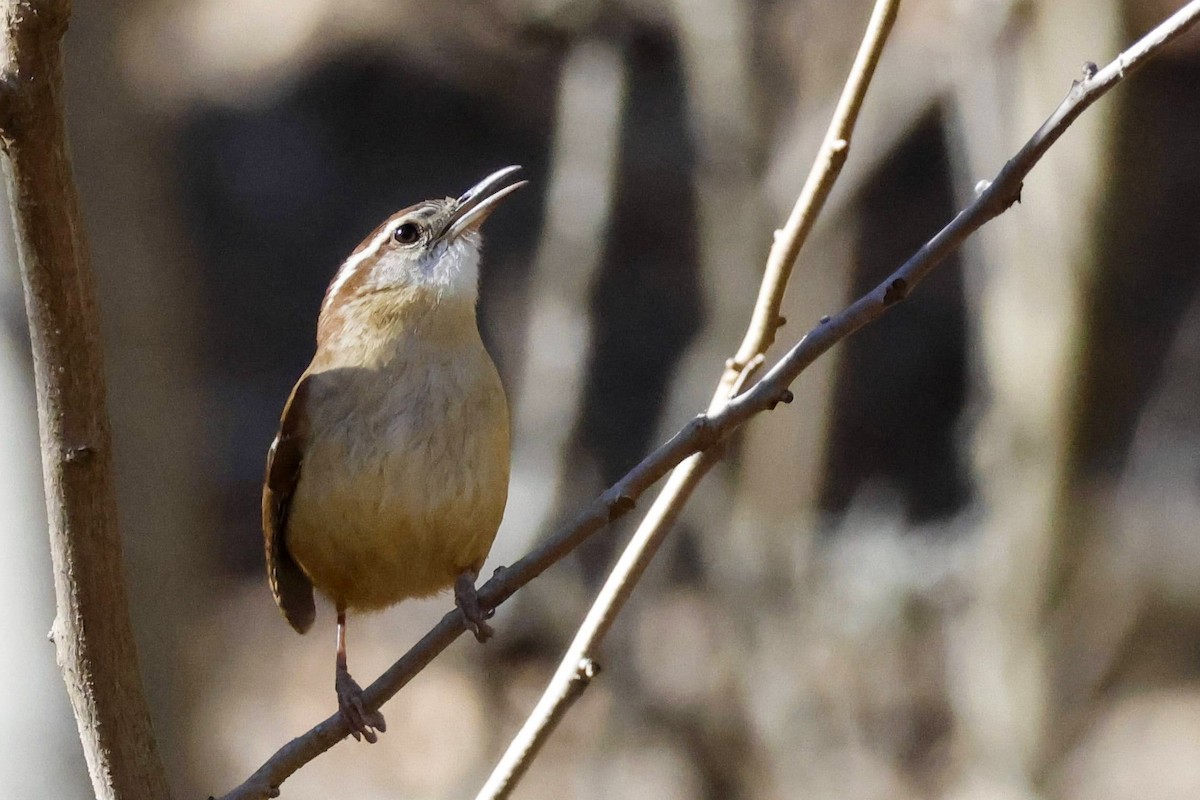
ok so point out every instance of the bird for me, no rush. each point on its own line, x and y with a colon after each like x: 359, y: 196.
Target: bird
x: 388, y: 476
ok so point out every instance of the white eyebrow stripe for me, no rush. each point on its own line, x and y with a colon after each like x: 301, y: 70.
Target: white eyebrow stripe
x: 351, y: 264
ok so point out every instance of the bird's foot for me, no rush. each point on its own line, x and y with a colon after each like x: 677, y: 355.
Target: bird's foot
x: 466, y: 598
x: 363, y: 723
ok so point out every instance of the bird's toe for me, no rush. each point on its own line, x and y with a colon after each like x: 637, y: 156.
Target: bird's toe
x: 364, y: 724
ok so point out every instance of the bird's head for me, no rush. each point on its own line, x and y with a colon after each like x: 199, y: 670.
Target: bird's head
x: 428, y: 251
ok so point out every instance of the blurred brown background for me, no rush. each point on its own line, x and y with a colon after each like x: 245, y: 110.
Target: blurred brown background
x: 965, y: 563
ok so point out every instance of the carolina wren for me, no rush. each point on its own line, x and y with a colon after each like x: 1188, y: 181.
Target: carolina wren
x: 389, y: 474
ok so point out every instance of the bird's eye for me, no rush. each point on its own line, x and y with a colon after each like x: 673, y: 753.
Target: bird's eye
x: 407, y: 233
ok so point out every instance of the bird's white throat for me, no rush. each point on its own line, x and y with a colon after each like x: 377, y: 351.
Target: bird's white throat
x: 450, y: 269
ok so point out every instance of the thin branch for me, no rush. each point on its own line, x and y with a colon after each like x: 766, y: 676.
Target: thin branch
x: 835, y: 149
x: 708, y: 430
x: 764, y: 322
x: 92, y: 633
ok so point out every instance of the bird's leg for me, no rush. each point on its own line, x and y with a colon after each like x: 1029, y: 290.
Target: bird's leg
x: 363, y: 723
x: 466, y: 598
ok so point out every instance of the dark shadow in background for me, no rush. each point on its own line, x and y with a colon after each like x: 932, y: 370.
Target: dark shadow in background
x: 902, y: 382
x: 1148, y: 258
x: 646, y: 299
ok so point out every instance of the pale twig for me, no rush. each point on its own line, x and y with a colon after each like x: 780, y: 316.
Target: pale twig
x: 708, y: 430
x: 564, y: 687
x: 765, y: 321
x: 92, y: 634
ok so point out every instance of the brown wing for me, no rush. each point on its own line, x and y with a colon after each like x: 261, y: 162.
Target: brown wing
x: 292, y: 589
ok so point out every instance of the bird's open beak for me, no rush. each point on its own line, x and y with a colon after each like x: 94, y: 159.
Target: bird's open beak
x: 479, y: 202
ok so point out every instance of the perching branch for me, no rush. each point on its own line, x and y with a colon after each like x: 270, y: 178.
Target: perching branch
x: 91, y: 632
x: 568, y: 682
x: 709, y: 430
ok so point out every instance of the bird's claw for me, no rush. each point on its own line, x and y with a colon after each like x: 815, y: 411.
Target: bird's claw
x: 363, y: 723
x: 467, y: 599
x: 481, y: 629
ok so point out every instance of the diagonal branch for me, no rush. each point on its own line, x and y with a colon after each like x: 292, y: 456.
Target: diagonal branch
x: 92, y: 633
x: 709, y: 430
x: 571, y: 678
